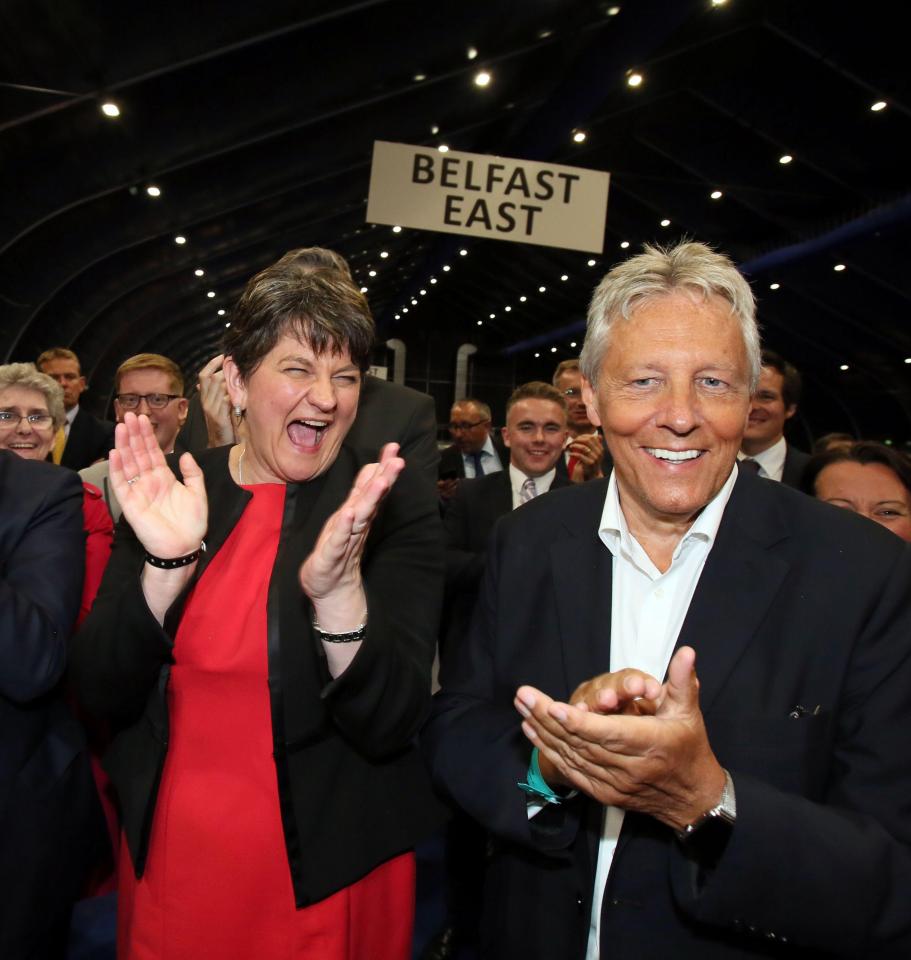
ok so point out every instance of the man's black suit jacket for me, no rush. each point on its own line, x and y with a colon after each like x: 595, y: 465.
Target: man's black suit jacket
x: 47, y: 797
x: 795, y: 462
x: 89, y: 439
x: 802, y: 626
x: 451, y: 462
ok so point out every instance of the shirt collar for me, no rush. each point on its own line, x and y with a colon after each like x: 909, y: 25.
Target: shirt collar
x: 542, y: 483
x: 71, y: 415
x: 770, y: 460
x: 615, y: 534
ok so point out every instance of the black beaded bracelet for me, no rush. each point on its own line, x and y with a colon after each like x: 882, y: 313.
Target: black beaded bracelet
x: 163, y: 564
x: 351, y: 636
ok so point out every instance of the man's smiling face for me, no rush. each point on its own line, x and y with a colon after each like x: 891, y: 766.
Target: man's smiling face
x: 673, y: 397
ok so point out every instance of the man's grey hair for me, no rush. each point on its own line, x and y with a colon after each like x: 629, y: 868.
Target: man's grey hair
x: 26, y: 376
x: 483, y: 408
x: 660, y: 271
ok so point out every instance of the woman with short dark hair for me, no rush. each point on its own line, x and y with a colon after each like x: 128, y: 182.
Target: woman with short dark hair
x: 263, y: 641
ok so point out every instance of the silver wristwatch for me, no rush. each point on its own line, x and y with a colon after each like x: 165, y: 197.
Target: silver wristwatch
x: 725, y: 811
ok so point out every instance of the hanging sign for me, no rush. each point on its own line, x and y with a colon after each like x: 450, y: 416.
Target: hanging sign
x: 478, y: 195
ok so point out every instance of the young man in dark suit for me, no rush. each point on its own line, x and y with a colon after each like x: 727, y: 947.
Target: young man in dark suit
x: 750, y: 804
x: 86, y: 439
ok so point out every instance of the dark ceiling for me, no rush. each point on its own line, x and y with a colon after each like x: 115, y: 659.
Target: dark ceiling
x: 257, y: 122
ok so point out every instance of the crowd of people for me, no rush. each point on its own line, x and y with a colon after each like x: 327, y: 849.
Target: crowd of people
x: 223, y: 707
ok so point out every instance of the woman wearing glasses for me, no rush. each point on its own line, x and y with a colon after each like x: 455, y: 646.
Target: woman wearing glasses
x: 31, y: 413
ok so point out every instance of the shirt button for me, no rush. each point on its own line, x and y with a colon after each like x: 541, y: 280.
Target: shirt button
x: 659, y: 593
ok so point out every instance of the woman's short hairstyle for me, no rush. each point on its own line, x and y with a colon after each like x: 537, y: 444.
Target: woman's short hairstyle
x: 863, y: 452
x: 27, y: 376
x: 658, y: 272
x: 320, y: 306
x: 151, y: 361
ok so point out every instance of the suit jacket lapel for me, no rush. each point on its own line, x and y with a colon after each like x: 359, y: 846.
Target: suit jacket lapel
x: 738, y: 584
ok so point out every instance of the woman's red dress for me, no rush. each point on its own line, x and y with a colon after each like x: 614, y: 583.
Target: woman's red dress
x: 217, y: 882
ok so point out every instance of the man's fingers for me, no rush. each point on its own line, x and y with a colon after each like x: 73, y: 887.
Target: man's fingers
x: 682, y: 688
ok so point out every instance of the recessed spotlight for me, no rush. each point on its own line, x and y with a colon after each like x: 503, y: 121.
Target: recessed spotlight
x: 482, y: 79
x: 414, y: 302
x: 211, y: 294
x: 785, y: 158
x: 542, y: 289
x: 573, y: 344
x: 665, y: 222
x: 446, y: 268
x: 493, y: 316
x: 404, y: 309
x: 564, y: 277
x: 718, y: 3
x: 423, y: 293
x: 180, y: 239
x: 480, y: 323
x: 384, y: 254
x: 544, y: 34
x: 443, y: 148
x: 537, y: 354
x: 634, y: 79
x: 774, y: 286
x: 579, y: 136
x: 591, y: 263
x: 221, y: 312
x: 199, y: 272
x: 522, y: 299
x: 110, y: 109
x: 418, y: 77
x: 398, y: 316
x: 433, y: 279
x: 553, y: 349
x: 463, y: 252
x: 396, y: 229
x: 507, y: 309
x: 844, y: 366
x: 838, y: 267
x: 907, y: 359
x: 613, y: 11
x: 371, y: 273
x: 716, y: 194
x: 624, y: 245
x: 471, y: 53
x: 434, y: 130
x: 153, y: 191
x: 879, y: 105
x: 363, y: 289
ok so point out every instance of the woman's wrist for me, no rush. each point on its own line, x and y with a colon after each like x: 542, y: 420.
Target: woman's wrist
x: 341, y: 612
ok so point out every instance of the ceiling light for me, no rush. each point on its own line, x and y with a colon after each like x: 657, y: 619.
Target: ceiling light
x: 624, y: 244
x: 907, y: 359
x: 221, y: 312
x: 471, y: 53
x: 433, y: 279
x: 507, y: 309
x: 553, y: 349
x: 110, y: 109
x: 180, y: 239
x: 634, y: 79
x: 463, y: 252
x: 542, y: 289
x: 564, y: 277
x: 199, y: 272
x: 396, y: 229
x: 718, y: 3
x: 774, y: 286
x: 418, y: 77
x: 383, y: 254
x: 844, y: 366
x: 613, y: 11
x: 363, y: 289
x: 838, y: 267
x: 716, y: 194
x: 665, y: 222
x: 879, y: 105
x: 443, y: 148
x: 785, y: 158
x: 371, y: 273
x: 404, y: 309
x: 543, y: 35
x: 591, y: 263
x: 522, y: 299
x: 398, y: 316
x: 423, y: 293
x: 228, y: 324
x: 579, y: 136
x: 573, y: 344
x: 414, y: 302
x: 493, y: 316
x: 482, y: 79
x: 211, y: 294
x: 153, y: 191
x: 537, y: 354
x: 447, y: 268
x: 434, y: 130
x: 480, y: 323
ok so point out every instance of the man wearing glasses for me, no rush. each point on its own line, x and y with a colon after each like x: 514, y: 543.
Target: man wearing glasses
x: 474, y: 452
x: 151, y: 384
x: 83, y: 439
x: 586, y: 458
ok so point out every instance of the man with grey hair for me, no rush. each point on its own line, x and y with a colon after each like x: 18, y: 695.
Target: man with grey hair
x: 758, y: 810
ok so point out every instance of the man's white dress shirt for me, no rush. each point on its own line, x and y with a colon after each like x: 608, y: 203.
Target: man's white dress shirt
x: 517, y: 480
x: 770, y: 460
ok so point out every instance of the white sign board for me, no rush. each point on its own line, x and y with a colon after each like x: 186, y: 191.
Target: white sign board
x: 484, y: 196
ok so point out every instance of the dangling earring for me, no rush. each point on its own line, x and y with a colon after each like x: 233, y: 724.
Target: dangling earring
x: 238, y: 411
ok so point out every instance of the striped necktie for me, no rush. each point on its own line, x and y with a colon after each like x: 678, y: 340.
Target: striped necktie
x: 529, y: 491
